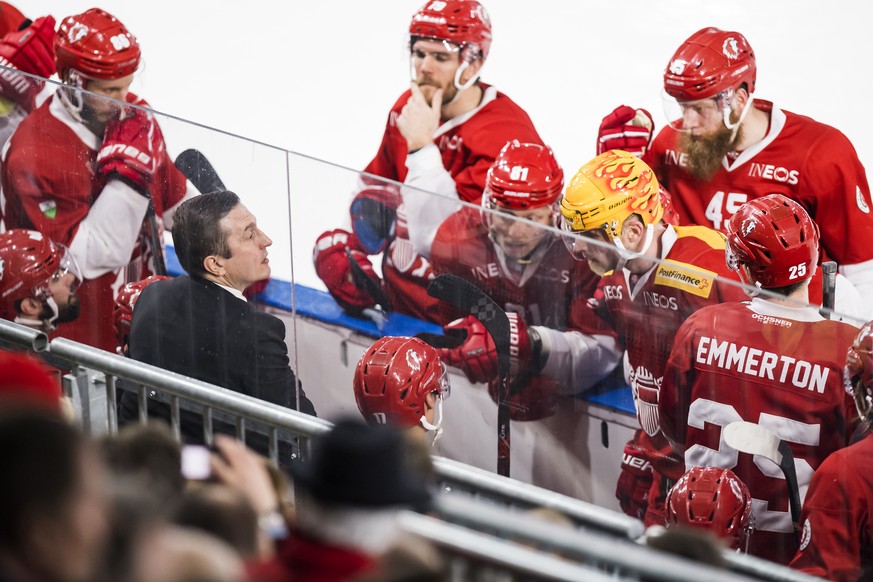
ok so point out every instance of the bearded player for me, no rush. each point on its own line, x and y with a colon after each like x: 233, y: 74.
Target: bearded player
x: 441, y: 137
x: 507, y: 250
x: 655, y: 276
x: 723, y: 148
x: 764, y: 361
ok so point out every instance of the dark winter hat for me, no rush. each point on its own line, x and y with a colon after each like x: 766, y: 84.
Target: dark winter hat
x: 361, y: 466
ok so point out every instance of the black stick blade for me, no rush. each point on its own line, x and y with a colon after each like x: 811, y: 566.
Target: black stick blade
x: 194, y: 165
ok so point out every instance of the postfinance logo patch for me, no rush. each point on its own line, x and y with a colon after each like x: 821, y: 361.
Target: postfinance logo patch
x: 685, y: 277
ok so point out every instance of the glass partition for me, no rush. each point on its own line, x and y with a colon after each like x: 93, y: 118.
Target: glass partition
x: 648, y: 351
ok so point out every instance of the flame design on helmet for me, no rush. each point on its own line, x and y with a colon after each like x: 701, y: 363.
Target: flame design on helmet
x: 609, y: 189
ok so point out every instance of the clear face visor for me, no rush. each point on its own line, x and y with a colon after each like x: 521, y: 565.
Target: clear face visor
x: 443, y: 391
x: 68, y: 265
x: 513, y: 227
x: 577, y: 241
x: 702, y: 113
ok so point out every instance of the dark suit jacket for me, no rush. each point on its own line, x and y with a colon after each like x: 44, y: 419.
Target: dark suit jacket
x: 196, y: 328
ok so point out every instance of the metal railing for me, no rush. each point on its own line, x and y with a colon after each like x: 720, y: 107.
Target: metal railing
x: 605, y: 540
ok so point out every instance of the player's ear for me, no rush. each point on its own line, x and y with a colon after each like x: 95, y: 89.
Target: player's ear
x: 471, y: 70
x: 30, y: 307
x: 632, y: 231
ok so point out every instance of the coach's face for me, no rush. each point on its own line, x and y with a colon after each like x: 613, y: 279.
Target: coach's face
x: 248, y: 262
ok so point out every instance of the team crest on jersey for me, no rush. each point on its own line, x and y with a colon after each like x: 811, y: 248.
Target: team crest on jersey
x: 806, y: 535
x: 49, y: 208
x: 646, y: 389
x: 862, y: 203
x: 685, y: 277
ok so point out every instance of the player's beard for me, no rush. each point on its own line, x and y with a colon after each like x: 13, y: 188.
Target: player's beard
x: 428, y: 88
x: 706, y: 152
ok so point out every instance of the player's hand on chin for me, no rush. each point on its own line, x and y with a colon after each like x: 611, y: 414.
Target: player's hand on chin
x: 419, y: 119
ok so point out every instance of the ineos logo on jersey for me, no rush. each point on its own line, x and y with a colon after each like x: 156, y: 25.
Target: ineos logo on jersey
x: 661, y: 301
x: 775, y: 173
x: 674, y: 158
x: 487, y: 271
x: 612, y: 292
x: 450, y: 143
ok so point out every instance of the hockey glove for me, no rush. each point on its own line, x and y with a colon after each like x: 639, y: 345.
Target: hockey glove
x: 133, y: 145
x: 30, y: 51
x: 476, y: 357
x: 333, y: 267
x: 626, y: 129
x: 374, y: 217
x: 634, y: 481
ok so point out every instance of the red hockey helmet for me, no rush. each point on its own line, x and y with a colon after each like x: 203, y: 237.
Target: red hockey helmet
x: 523, y: 176
x: 393, y: 378
x: 775, y: 239
x: 124, y: 302
x: 28, y: 261
x: 461, y: 22
x: 96, y: 45
x: 709, y: 62
x: 711, y: 498
x: 858, y: 372
x: 11, y: 18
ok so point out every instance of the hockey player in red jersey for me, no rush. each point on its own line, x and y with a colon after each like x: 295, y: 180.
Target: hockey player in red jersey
x: 401, y: 382
x: 836, y: 525
x: 654, y: 277
x: 82, y: 169
x: 38, y: 280
x: 766, y: 361
x: 25, y: 47
x: 723, y: 148
x: 441, y: 137
x: 530, y: 274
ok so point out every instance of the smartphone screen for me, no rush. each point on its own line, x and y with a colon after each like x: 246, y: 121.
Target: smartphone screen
x: 195, y: 462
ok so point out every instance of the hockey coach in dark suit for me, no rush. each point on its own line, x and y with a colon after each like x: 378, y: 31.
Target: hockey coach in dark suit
x: 201, y: 325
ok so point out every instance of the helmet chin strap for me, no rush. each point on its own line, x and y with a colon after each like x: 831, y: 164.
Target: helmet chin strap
x: 626, y: 255
x: 439, y: 421
x: 71, y: 98
x: 461, y: 87
x: 734, y: 127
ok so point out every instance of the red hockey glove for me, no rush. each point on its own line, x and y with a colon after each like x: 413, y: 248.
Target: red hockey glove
x: 477, y: 356
x: 132, y: 148
x: 31, y: 51
x: 333, y: 267
x: 634, y: 481
x: 626, y: 129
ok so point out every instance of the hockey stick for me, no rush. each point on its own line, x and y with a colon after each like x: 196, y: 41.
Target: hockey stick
x: 194, y: 165
x: 379, y: 314
x: 828, y: 288
x: 155, y: 241
x: 470, y: 299
x: 754, y: 439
